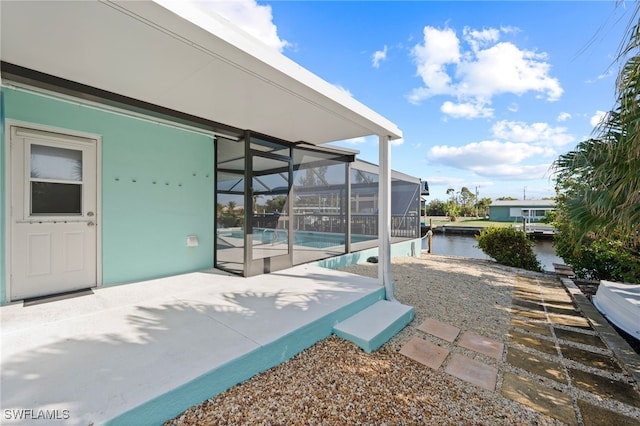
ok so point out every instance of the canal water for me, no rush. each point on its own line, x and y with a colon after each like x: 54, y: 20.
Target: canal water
x: 466, y: 246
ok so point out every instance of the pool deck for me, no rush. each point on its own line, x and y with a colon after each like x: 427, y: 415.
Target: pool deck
x: 141, y: 354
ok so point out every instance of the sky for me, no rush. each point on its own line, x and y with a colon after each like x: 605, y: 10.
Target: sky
x: 487, y: 94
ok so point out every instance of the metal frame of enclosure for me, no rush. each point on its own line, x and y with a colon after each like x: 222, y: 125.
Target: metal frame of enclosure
x: 281, y: 204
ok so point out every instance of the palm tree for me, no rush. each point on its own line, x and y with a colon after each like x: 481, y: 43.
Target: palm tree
x: 604, y: 171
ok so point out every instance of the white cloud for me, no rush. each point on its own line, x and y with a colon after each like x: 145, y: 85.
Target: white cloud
x: 482, y: 154
x: 538, y: 134
x: 379, y: 56
x: 344, y: 90
x: 440, y: 48
x: 564, y: 116
x: 518, y: 151
x: 486, y: 68
x: 478, y: 39
x: 597, y: 118
x: 466, y: 110
x: 355, y: 141
x: 514, y: 172
x: 248, y: 15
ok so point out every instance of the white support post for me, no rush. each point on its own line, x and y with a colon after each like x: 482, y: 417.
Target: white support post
x: 384, y: 217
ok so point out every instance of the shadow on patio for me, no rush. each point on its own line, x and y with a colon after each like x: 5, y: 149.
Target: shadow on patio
x: 127, y: 356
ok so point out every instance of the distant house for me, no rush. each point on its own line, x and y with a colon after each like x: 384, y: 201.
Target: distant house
x: 516, y: 210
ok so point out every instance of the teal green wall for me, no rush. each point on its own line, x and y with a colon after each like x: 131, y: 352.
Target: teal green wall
x: 157, y: 188
x: 499, y: 213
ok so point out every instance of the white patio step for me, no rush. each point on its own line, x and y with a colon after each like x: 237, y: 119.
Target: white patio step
x: 375, y: 325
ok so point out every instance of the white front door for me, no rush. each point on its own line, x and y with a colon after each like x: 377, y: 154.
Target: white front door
x: 53, y: 213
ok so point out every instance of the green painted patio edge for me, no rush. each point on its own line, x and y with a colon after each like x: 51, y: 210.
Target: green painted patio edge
x: 218, y: 380
x: 363, y: 328
x: 402, y: 249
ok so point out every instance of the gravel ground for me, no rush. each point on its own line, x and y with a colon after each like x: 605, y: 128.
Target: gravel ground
x: 334, y: 382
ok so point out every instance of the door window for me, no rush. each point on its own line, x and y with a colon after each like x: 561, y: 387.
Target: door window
x: 55, y: 181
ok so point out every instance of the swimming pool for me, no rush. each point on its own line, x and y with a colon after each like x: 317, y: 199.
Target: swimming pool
x: 317, y: 240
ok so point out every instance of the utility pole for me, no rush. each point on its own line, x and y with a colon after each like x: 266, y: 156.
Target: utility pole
x: 476, y: 201
x: 524, y: 191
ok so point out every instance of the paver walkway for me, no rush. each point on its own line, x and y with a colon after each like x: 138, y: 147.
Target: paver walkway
x: 553, y: 362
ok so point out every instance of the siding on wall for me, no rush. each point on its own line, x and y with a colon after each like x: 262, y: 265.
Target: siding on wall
x: 499, y: 213
x: 157, y: 188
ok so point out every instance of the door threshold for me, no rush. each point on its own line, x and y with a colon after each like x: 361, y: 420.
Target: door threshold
x: 56, y: 297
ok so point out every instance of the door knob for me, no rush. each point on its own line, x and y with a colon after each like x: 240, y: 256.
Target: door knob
x: 89, y: 214
x: 90, y: 223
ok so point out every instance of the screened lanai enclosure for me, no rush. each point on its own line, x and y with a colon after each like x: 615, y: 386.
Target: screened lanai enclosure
x: 281, y: 204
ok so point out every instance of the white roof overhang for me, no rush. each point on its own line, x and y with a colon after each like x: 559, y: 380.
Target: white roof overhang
x: 145, y: 51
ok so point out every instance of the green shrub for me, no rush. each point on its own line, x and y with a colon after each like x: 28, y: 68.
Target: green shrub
x: 601, y: 258
x: 509, y: 246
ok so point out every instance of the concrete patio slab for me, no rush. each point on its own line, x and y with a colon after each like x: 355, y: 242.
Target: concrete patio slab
x: 473, y: 371
x: 140, y: 354
x: 439, y: 329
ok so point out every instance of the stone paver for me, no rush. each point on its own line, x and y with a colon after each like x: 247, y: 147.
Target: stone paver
x: 556, y: 298
x: 570, y: 320
x: 481, y: 345
x: 542, y: 345
x: 473, y: 371
x: 592, y: 415
x: 439, y: 329
x: 425, y: 352
x: 562, y: 310
x: 531, y: 296
x: 541, y: 398
x: 605, y: 387
x: 536, y: 365
x: 527, y: 304
x: 577, y: 337
x: 534, y: 327
x: 590, y: 359
x: 529, y: 314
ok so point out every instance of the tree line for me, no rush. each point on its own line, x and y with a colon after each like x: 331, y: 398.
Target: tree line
x: 598, y: 183
x: 461, y: 203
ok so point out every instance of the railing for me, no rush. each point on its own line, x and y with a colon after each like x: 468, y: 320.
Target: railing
x: 361, y: 224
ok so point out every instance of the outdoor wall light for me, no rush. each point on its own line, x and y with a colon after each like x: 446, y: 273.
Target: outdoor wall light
x: 192, y: 241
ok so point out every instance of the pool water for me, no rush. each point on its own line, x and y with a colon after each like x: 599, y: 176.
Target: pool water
x: 317, y: 240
